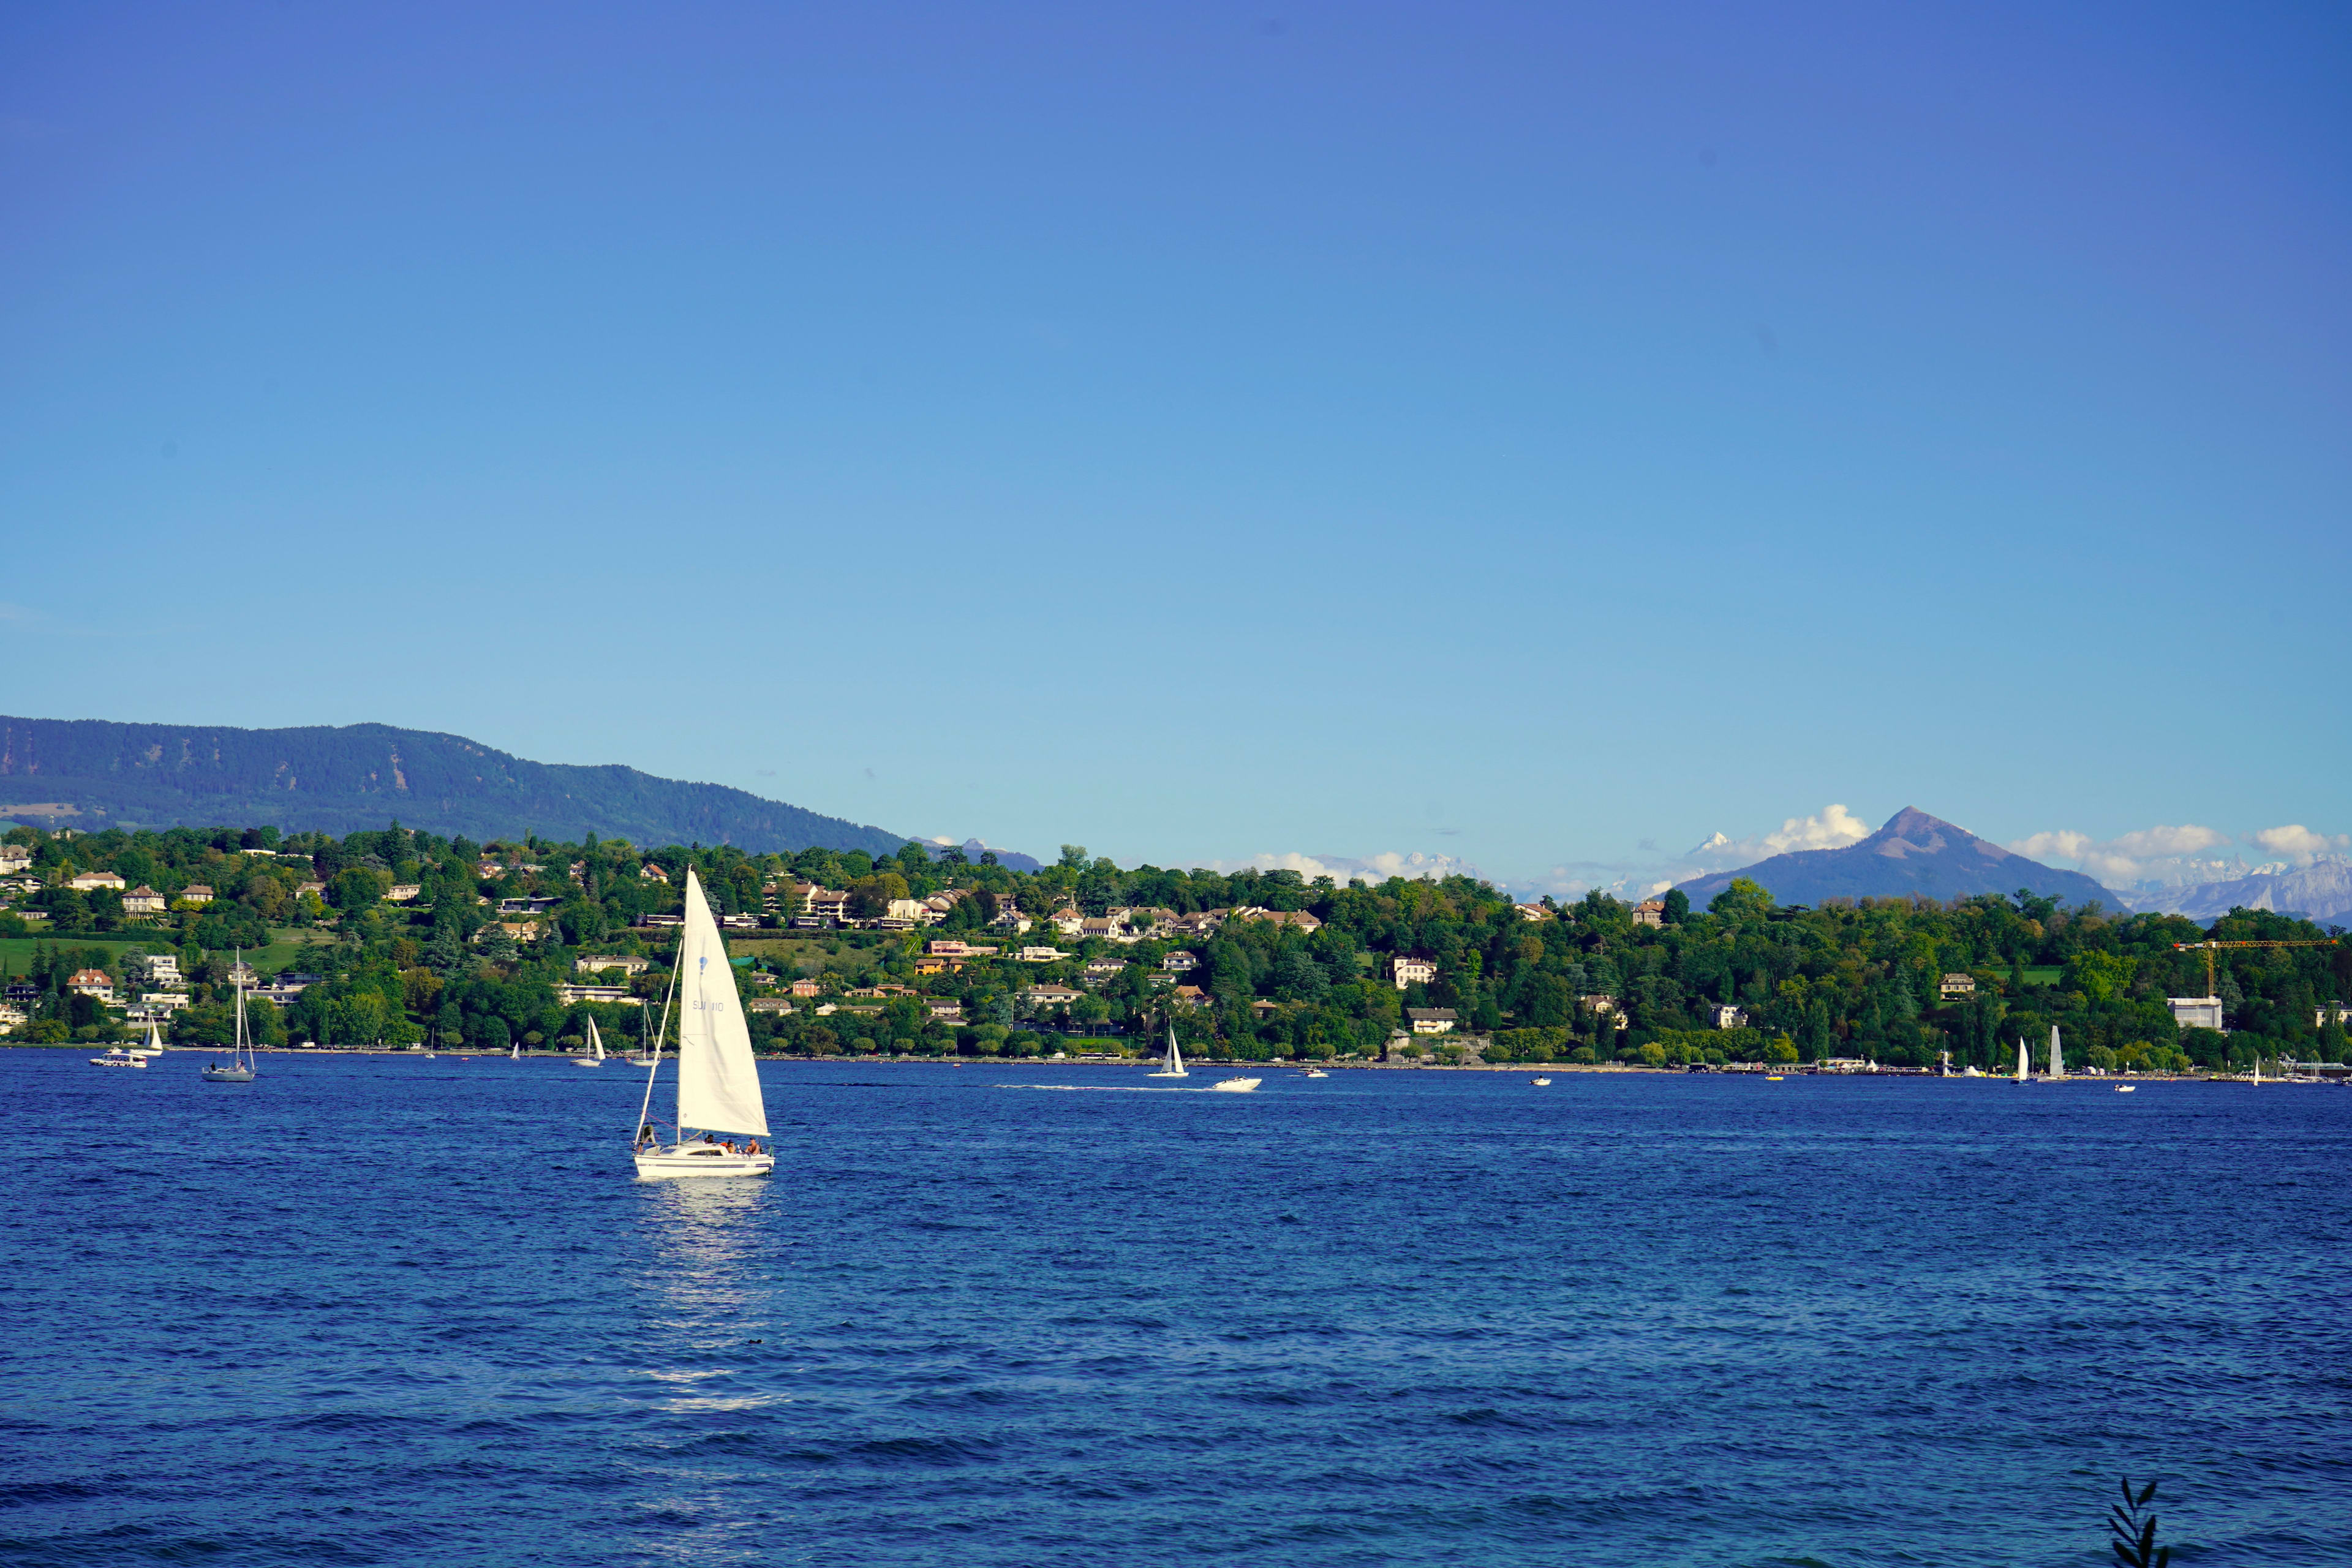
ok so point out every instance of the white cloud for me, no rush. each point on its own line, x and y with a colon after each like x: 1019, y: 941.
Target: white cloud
x: 1833, y: 827
x: 2297, y: 841
x: 2160, y: 854
x: 1374, y: 868
x: 2059, y: 846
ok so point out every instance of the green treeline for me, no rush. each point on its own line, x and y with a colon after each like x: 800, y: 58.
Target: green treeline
x: 1576, y: 981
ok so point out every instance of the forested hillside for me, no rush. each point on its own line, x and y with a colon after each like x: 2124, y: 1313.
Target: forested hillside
x: 1252, y: 965
x: 318, y: 779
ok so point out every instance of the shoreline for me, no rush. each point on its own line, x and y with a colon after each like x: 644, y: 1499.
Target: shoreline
x: 1531, y: 1069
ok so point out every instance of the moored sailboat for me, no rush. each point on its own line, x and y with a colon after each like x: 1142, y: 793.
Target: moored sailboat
x: 718, y: 1076
x: 595, y: 1059
x: 239, y: 1067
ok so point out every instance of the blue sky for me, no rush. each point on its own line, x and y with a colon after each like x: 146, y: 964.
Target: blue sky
x: 1512, y: 433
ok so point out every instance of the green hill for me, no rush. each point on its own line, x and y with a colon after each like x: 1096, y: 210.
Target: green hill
x: 91, y: 774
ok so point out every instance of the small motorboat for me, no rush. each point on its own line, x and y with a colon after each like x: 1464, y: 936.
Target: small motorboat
x: 1231, y: 1085
x: 1316, y: 1072
x: 1541, y: 1082
x: 2125, y: 1087
x: 119, y: 1057
x: 1772, y: 1077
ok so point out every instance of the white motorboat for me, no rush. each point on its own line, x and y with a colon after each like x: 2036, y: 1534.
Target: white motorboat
x: 595, y: 1059
x: 1171, y: 1061
x: 1543, y: 1083
x: 1316, y: 1072
x: 2125, y: 1087
x: 239, y: 1067
x: 718, y: 1076
x: 1230, y: 1085
x: 119, y: 1057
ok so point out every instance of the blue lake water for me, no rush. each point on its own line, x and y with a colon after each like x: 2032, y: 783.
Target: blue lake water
x: 393, y: 1310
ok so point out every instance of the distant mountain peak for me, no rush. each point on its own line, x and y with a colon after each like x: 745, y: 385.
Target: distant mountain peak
x: 1912, y: 853
x: 102, y: 774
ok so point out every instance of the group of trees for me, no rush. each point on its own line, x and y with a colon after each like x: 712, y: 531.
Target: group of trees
x: 1580, y: 981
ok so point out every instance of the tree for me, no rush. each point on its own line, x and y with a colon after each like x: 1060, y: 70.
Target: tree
x: 1677, y: 906
x: 1742, y: 900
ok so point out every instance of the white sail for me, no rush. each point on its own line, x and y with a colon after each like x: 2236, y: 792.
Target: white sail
x: 596, y: 1042
x: 2020, y: 1058
x: 2057, y: 1062
x: 1172, y: 1062
x: 718, y: 1076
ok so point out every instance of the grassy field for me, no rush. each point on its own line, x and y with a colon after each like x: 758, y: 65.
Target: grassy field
x: 17, y: 951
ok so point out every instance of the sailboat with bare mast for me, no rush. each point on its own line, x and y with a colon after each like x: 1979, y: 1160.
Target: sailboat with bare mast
x: 718, y: 1076
x: 239, y: 1067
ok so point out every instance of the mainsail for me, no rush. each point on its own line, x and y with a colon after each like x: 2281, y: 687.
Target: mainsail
x: 2057, y: 1062
x: 718, y: 1077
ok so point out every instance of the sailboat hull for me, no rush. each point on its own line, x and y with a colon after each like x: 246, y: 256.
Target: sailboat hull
x: 228, y: 1075
x: 700, y: 1160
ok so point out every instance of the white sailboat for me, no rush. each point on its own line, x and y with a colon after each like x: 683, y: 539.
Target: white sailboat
x: 154, y: 1045
x: 1171, y: 1061
x: 718, y: 1077
x: 240, y: 1065
x: 2057, y: 1062
x: 514, y: 1052
x: 595, y: 1059
x: 2020, y: 1060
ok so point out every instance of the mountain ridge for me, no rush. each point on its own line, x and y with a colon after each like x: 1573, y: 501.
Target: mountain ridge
x: 1911, y: 853
x: 335, y: 779
x: 2319, y: 891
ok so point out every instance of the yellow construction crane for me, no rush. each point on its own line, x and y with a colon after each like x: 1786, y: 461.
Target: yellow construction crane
x: 2210, y: 946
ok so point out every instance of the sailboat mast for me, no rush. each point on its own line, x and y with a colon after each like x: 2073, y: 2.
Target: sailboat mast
x: 653, y: 1065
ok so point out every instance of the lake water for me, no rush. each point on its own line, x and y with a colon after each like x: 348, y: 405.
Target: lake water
x: 393, y: 1310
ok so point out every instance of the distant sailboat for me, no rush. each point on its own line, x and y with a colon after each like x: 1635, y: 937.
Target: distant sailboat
x: 718, y: 1076
x: 1171, y: 1063
x: 514, y: 1052
x: 154, y: 1045
x: 2057, y: 1062
x: 239, y: 1067
x: 595, y: 1059
x: 2020, y: 1060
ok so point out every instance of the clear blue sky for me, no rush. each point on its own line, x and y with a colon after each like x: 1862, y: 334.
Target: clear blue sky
x: 1195, y: 431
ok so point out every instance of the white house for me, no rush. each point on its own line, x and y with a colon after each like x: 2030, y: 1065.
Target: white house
x: 202, y: 892
x: 569, y: 993
x: 1043, y: 956
x: 596, y: 963
x: 1957, y: 987
x: 89, y: 881
x: 1650, y: 912
x: 1724, y: 1015
x: 94, y: 982
x: 1045, y: 996
x: 143, y: 900
x: 1412, y: 971
x: 1432, y: 1020
x: 1181, y: 962
x: 2195, y: 1011
x: 14, y: 858
x: 403, y: 893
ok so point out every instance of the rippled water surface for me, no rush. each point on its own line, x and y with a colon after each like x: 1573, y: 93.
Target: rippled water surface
x: 397, y: 1311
